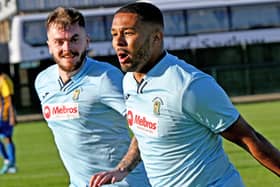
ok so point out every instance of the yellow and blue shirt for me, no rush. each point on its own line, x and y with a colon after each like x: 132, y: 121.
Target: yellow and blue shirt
x: 6, y: 89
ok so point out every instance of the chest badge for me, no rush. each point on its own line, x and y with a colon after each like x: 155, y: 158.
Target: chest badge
x: 76, y: 94
x: 157, y: 105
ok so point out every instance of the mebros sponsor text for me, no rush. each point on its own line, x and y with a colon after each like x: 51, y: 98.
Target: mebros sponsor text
x: 61, y: 111
x: 143, y: 123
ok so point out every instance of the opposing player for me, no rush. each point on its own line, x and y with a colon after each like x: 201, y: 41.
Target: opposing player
x: 7, y: 123
x: 82, y: 102
x: 177, y: 113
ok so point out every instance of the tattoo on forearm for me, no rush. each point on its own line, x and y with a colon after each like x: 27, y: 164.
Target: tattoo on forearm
x: 131, y: 159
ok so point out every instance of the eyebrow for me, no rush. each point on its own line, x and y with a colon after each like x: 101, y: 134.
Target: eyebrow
x: 74, y: 36
x: 123, y: 28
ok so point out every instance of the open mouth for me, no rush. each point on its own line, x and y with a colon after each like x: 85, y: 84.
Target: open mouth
x: 68, y: 55
x: 123, y: 57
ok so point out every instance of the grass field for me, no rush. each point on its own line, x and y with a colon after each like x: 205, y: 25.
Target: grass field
x: 40, y: 166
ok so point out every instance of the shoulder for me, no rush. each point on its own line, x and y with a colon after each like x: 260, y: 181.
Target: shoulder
x: 46, y: 76
x: 180, y: 71
x: 6, y: 79
x: 103, y: 69
x: 6, y: 85
x: 128, y: 77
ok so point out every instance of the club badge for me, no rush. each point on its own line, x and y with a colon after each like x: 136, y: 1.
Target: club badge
x: 157, y: 105
x: 76, y: 94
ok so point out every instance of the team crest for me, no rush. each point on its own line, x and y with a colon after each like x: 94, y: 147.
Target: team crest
x: 76, y: 94
x: 157, y: 105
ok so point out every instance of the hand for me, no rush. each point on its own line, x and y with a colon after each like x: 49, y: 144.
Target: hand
x: 12, y: 121
x: 107, y: 177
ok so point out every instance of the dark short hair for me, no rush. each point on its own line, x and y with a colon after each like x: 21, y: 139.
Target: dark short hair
x: 65, y: 17
x: 146, y: 11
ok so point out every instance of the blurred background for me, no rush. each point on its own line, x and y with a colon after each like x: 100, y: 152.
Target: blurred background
x: 236, y: 41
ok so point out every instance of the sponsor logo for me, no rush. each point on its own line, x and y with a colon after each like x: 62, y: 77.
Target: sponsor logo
x: 61, y: 111
x: 127, y: 96
x: 45, y: 95
x: 130, y: 117
x: 47, y: 112
x: 143, y: 123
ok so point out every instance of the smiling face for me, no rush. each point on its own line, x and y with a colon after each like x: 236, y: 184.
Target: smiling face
x: 137, y: 43
x: 67, y: 45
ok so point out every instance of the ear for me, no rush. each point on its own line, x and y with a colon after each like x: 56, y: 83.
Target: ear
x: 158, y: 36
x: 88, y: 40
x: 48, y: 43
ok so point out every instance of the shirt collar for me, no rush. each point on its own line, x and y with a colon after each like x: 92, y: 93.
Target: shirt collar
x: 74, y: 78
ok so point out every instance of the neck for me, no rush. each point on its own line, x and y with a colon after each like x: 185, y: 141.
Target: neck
x: 139, y: 75
x: 66, y: 75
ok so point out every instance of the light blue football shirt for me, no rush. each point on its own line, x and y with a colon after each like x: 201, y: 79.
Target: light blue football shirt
x: 86, y: 118
x: 176, y: 114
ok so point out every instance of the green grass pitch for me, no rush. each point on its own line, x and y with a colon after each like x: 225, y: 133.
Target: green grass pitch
x: 39, y: 164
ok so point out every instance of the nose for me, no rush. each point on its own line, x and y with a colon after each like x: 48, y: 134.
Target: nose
x: 120, y: 40
x: 66, y: 45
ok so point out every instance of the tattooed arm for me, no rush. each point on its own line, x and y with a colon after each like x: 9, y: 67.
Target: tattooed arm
x: 131, y: 159
x: 126, y: 165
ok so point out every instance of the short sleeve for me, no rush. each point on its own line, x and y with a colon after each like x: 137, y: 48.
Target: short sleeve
x: 208, y: 104
x: 111, y: 90
x: 7, y: 87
